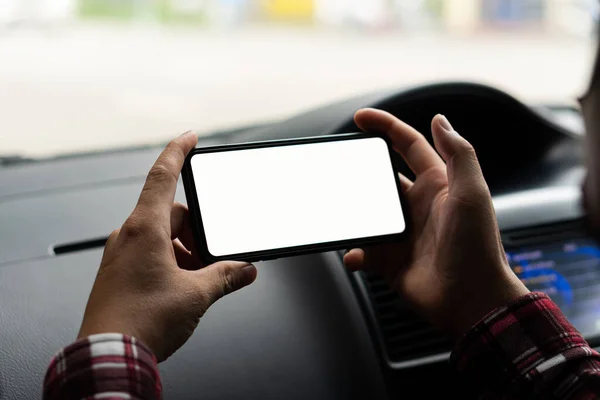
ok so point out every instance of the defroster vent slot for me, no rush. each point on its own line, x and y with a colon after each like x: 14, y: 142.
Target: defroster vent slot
x: 82, y: 245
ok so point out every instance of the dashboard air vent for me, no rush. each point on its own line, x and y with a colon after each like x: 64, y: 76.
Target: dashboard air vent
x: 405, y: 335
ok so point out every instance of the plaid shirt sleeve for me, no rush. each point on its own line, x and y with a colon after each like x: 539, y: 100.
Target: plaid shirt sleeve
x: 104, y: 366
x: 527, y: 349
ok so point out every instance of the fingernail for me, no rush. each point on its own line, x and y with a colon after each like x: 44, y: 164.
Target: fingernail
x: 188, y: 133
x: 249, y: 272
x: 445, y: 124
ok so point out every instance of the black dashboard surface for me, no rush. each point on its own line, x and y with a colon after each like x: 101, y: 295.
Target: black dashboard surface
x: 304, y: 329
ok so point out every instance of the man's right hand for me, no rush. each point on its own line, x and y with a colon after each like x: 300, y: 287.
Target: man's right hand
x: 453, y: 269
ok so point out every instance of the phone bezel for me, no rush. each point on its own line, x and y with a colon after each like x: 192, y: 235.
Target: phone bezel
x: 196, y: 215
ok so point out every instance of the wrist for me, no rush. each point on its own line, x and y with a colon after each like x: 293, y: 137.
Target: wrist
x: 478, y: 301
x: 93, y: 327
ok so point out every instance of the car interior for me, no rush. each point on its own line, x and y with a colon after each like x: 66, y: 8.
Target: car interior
x: 308, y: 328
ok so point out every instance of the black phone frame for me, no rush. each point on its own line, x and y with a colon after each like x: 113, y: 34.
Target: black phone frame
x: 263, y: 255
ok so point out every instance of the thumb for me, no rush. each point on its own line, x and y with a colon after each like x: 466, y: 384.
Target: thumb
x: 464, y: 172
x: 224, y: 277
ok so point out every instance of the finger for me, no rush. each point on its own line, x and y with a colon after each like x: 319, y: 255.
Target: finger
x: 159, y: 190
x: 181, y: 228
x: 405, y: 183
x: 187, y: 237
x: 464, y: 172
x: 354, y: 259
x: 412, y: 145
x: 224, y: 277
x: 178, y: 215
x: 185, y: 259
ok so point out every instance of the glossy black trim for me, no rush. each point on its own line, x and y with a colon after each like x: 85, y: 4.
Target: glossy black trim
x: 196, y: 217
x: 81, y: 245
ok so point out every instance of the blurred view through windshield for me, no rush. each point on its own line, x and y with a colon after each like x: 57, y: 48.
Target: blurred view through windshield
x: 78, y: 75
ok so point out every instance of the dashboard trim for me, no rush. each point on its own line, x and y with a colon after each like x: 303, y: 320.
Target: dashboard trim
x: 542, y: 206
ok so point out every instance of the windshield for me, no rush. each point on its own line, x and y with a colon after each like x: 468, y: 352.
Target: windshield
x: 81, y: 75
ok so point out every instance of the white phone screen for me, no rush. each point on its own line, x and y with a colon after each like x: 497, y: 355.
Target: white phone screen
x: 275, y: 197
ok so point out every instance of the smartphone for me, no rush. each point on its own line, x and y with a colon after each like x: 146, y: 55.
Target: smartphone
x: 265, y: 200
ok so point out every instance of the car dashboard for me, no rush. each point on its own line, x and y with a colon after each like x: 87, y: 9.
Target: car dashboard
x: 307, y: 328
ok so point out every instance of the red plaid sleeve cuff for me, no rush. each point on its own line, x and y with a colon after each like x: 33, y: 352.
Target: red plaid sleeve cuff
x: 105, y: 366
x: 528, y: 349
